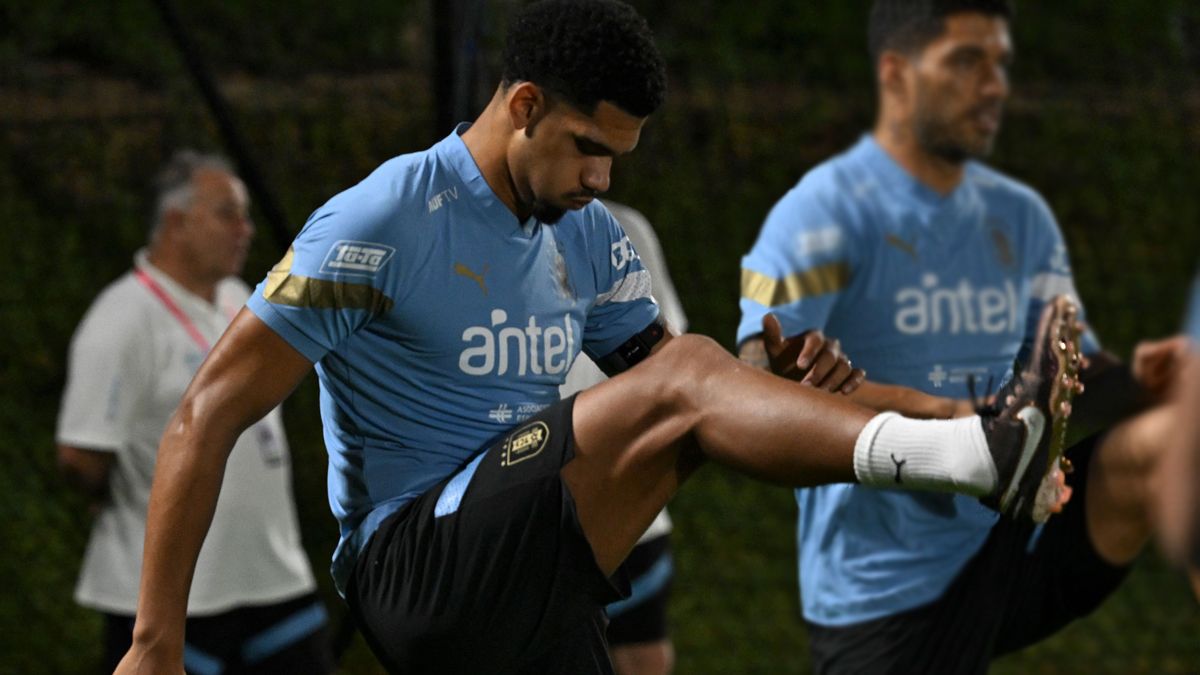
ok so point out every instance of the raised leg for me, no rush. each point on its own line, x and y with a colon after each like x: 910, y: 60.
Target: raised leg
x: 642, y: 433
x: 646, y: 658
x: 1120, y: 489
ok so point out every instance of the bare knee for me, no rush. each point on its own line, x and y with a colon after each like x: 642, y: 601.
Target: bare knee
x: 685, y: 365
x: 649, y: 658
x: 693, y: 346
x: 1132, y: 449
x: 1119, y: 486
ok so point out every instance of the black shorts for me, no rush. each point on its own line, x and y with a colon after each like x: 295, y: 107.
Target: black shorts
x: 642, y: 617
x: 1025, y: 584
x: 489, y: 571
x: 287, y: 637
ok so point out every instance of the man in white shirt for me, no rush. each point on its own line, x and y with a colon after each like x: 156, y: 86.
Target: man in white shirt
x: 252, y: 606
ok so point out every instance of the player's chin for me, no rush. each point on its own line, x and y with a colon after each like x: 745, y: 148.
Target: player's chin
x: 576, y: 203
x: 548, y: 213
x: 978, y: 145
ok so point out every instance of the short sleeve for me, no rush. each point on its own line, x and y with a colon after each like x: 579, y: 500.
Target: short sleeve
x: 649, y: 251
x: 333, y: 280
x: 1051, y: 274
x: 624, y: 304
x: 1192, y: 325
x: 798, y: 266
x: 108, y: 373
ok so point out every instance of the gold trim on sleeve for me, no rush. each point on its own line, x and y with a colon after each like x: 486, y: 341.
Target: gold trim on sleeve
x: 284, y: 288
x: 771, y: 292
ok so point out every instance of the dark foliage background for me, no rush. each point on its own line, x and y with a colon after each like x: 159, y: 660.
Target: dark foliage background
x: 93, y: 97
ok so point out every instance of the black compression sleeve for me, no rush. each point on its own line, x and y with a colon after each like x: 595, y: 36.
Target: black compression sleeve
x: 634, y: 350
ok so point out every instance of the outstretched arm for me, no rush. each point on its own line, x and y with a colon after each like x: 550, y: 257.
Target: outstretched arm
x: 790, y: 357
x: 910, y: 402
x: 249, y: 372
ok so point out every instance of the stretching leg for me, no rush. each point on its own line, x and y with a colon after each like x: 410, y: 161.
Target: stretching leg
x: 1120, y: 490
x: 642, y: 433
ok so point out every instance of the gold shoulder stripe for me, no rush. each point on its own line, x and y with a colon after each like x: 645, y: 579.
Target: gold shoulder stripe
x: 770, y: 292
x: 284, y: 288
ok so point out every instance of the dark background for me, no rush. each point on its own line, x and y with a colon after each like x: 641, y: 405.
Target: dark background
x: 94, y: 96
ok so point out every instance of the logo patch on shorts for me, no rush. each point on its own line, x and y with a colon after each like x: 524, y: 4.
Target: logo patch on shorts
x: 356, y: 257
x: 525, y: 443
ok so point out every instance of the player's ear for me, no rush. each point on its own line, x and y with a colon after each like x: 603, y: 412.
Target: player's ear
x: 892, y: 73
x: 527, y: 105
x: 172, y: 220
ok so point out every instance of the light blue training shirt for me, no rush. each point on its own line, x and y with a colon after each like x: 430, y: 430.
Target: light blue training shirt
x: 437, y: 321
x: 1193, y: 317
x: 923, y: 291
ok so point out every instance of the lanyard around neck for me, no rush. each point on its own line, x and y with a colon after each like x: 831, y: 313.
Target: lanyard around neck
x: 153, y: 286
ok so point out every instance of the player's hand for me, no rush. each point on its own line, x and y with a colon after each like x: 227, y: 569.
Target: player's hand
x: 146, y: 661
x: 810, y: 358
x: 1157, y: 362
x: 958, y: 408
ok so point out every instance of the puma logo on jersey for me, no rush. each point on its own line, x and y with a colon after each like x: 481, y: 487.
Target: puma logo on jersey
x: 901, y: 244
x: 465, y: 271
x: 1004, y: 250
x: 932, y: 308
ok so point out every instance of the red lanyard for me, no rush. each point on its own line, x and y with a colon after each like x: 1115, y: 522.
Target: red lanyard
x: 152, y: 285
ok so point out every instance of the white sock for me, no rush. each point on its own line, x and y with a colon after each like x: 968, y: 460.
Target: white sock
x: 941, y: 455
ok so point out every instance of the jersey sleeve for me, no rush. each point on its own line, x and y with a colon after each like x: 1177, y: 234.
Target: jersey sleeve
x: 108, y: 373
x: 1192, y: 325
x: 1051, y: 274
x: 798, y: 266
x: 333, y: 280
x: 624, y: 305
x: 649, y: 251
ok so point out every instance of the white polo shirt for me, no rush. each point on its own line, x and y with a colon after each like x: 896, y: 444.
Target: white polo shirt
x: 131, y: 360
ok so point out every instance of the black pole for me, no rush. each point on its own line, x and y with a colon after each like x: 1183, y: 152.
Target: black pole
x: 458, y: 27
x: 343, y: 633
x: 443, y: 66
x: 234, y: 143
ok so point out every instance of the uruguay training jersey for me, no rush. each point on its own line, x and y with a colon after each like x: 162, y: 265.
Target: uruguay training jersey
x: 437, y: 321
x: 1193, y: 317
x: 923, y: 291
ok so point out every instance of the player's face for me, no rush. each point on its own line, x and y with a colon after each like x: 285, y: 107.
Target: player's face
x: 568, y: 159
x: 959, y: 86
x: 216, y: 225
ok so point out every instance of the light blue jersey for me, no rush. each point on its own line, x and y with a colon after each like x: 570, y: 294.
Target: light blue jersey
x: 923, y: 291
x: 437, y: 321
x: 1193, y: 316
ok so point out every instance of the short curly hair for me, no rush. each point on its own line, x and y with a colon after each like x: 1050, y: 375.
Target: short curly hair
x: 907, y: 26
x: 587, y: 51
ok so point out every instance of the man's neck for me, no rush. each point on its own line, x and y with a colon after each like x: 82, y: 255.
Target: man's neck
x: 176, y: 267
x: 936, y: 173
x: 487, y: 141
